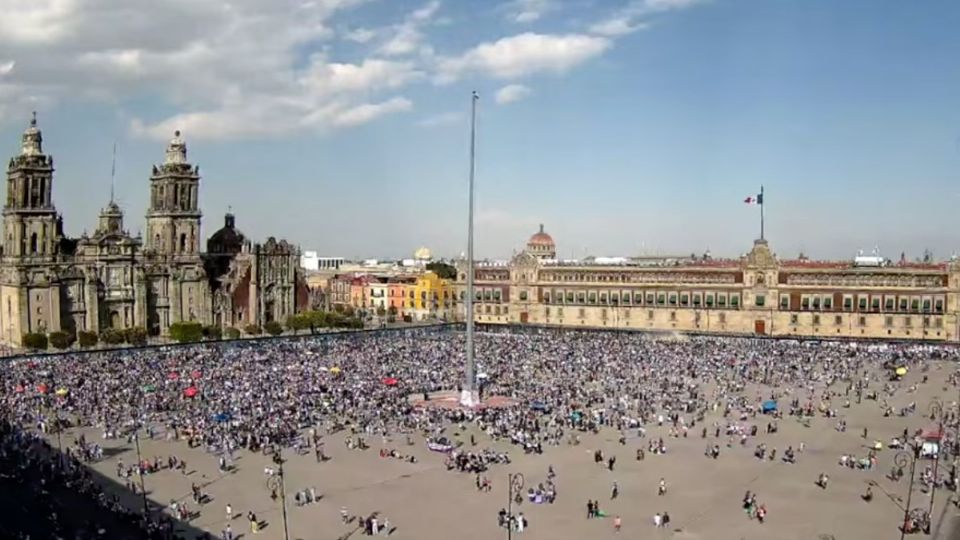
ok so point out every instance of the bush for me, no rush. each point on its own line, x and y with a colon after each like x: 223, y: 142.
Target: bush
x: 60, y: 340
x: 86, y: 339
x: 35, y: 341
x: 232, y: 333
x: 212, y: 332
x: 252, y: 330
x: 297, y: 322
x: 186, y: 331
x: 112, y: 336
x: 273, y: 328
x: 136, y: 335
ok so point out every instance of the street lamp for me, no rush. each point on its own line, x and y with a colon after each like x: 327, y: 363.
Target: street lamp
x: 274, y: 484
x: 902, y: 459
x: 514, y: 487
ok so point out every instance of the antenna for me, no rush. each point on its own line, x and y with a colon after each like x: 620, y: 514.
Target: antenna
x: 113, y: 171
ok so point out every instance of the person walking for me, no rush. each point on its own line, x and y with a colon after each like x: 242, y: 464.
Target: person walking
x: 615, y: 491
x: 662, y: 489
x: 616, y: 524
x: 229, y: 513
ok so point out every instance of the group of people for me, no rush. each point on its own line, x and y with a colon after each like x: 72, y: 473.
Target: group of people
x: 260, y: 396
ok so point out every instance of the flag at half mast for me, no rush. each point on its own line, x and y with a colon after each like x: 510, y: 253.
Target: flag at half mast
x: 752, y: 200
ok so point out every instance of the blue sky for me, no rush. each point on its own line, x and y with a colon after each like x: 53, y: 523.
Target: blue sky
x: 625, y: 126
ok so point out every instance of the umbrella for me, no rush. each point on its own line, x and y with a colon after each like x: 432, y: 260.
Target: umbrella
x: 335, y: 370
x: 191, y: 391
x: 901, y: 371
x: 19, y: 389
x: 390, y: 381
x: 769, y: 406
x: 173, y: 375
x: 195, y: 374
x: 149, y: 388
x: 42, y: 388
x: 222, y: 417
x: 62, y: 392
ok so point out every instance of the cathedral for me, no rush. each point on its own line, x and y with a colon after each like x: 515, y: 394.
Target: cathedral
x: 113, y: 280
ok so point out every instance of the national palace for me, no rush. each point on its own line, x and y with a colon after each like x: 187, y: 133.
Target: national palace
x: 758, y: 294
x: 111, y: 279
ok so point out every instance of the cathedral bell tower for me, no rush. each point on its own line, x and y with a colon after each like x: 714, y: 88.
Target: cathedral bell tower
x: 173, y: 218
x: 30, y: 221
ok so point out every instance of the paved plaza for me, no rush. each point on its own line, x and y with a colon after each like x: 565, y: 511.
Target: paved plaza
x: 425, y: 501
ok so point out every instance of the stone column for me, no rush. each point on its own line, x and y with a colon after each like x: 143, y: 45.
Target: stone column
x: 54, y: 323
x: 140, y: 303
x: 93, y: 306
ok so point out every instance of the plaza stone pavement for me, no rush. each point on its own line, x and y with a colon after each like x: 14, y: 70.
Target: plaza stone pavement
x: 426, y: 502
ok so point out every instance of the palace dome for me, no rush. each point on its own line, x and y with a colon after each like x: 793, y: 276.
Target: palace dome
x: 541, y: 238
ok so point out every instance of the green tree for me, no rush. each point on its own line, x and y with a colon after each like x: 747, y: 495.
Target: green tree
x: 252, y: 330
x: 113, y: 336
x: 232, y: 333
x: 60, y: 340
x: 273, y: 328
x: 35, y: 341
x: 316, y: 319
x: 212, y: 332
x: 297, y: 322
x: 381, y: 312
x: 86, y: 339
x: 186, y: 331
x: 136, y: 335
x: 442, y: 269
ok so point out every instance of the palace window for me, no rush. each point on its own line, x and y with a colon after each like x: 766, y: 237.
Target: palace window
x: 709, y: 300
x: 723, y: 318
x: 650, y: 314
x: 926, y: 322
x: 760, y: 300
x: 862, y: 303
x: 625, y: 297
x: 804, y: 302
x: 926, y: 305
x: 722, y: 300
x: 547, y: 312
x: 838, y: 320
x: 638, y: 299
x: 938, y: 306
x: 478, y: 295
x: 696, y: 299
x: 603, y: 298
x: 793, y: 319
x: 875, y: 304
x: 863, y: 321
x: 560, y: 312
x: 582, y: 313
x: 569, y: 297
x: 827, y: 302
x: 603, y: 313
x: 938, y: 322
x: 888, y: 321
x: 581, y: 297
x: 661, y: 299
x: 593, y: 298
x: 888, y: 304
x: 847, y: 303
x: 487, y: 295
x: 816, y: 302
x: 816, y: 320
x: 650, y: 299
x: 673, y: 315
x: 615, y: 299
x: 684, y: 299
x: 523, y: 296
x: 908, y: 321
x: 546, y: 297
x: 673, y: 299
x: 914, y: 305
x: 506, y: 309
x: 903, y: 304
x: 735, y: 301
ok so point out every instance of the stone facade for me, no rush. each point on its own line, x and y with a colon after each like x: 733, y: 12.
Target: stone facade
x: 757, y: 294
x: 111, y: 279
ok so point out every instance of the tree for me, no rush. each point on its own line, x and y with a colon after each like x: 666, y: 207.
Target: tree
x: 316, y: 319
x: 381, y: 311
x: 136, y: 335
x: 60, y: 340
x: 212, y: 333
x: 186, y: 331
x: 232, y: 333
x: 35, y: 341
x: 442, y: 270
x: 86, y: 339
x: 273, y: 328
x: 112, y: 336
x: 392, y: 310
x: 252, y: 330
x: 297, y: 322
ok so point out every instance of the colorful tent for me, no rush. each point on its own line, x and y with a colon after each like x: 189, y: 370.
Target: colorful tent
x: 19, y: 389
x: 173, y: 375
x: 901, y: 371
x: 335, y: 370
x: 195, y: 374
x: 62, y: 392
x: 149, y: 388
x: 191, y: 392
x: 42, y: 388
x: 769, y: 406
x: 390, y: 381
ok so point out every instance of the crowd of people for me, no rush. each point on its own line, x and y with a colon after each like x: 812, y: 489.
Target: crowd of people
x: 264, y: 396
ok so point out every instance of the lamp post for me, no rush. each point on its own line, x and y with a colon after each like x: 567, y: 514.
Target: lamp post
x: 902, y: 459
x: 274, y: 484
x: 936, y: 413
x: 514, y: 486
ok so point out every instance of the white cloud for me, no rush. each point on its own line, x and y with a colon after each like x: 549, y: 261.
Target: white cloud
x: 511, y: 93
x: 362, y: 114
x: 629, y: 18
x: 407, y: 37
x: 6, y: 67
x: 527, y: 11
x: 360, y: 35
x: 442, y: 119
x: 523, y: 54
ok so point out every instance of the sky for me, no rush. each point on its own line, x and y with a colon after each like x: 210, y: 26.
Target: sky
x: 624, y: 126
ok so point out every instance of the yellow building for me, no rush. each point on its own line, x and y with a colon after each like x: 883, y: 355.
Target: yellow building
x: 431, y: 297
x: 757, y: 294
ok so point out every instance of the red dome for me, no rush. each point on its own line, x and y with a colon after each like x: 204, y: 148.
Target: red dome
x: 541, y: 239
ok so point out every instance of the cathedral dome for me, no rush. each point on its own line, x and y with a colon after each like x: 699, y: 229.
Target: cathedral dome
x: 228, y: 239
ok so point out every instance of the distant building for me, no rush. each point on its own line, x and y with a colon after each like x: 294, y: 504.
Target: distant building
x: 311, y: 261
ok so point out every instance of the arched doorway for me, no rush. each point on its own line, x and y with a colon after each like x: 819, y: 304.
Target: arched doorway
x: 115, y: 319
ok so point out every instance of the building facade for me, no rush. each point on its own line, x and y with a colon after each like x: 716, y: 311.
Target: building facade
x: 757, y: 294
x: 113, y: 280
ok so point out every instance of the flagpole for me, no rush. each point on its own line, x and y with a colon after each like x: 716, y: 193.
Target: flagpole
x: 761, y: 211
x: 468, y: 396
